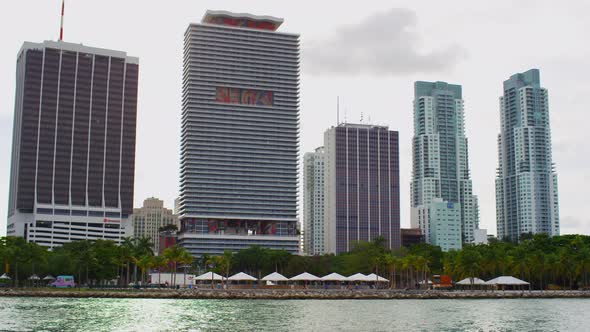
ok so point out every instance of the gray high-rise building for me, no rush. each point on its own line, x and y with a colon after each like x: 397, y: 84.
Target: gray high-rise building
x: 73, y: 154
x: 440, y: 174
x: 239, y: 135
x: 313, y: 202
x: 361, y: 185
x: 526, y: 182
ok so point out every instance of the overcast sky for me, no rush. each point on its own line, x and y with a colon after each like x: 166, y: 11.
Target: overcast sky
x: 368, y: 52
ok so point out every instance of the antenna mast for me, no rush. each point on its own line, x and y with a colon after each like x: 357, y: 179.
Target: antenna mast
x: 337, y: 110
x: 61, y: 27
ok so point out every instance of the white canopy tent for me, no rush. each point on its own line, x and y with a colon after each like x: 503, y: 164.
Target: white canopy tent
x: 209, y: 276
x: 241, y: 277
x: 4, y: 277
x: 48, y: 277
x: 375, y: 278
x: 507, y: 281
x: 358, y: 277
x: 275, y: 277
x: 467, y: 282
x: 305, y: 277
x: 333, y: 277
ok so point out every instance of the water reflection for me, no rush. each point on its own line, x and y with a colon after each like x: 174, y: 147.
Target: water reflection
x: 51, y: 314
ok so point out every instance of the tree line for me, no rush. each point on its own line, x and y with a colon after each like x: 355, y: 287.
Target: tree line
x: 545, y: 262
x: 91, y: 262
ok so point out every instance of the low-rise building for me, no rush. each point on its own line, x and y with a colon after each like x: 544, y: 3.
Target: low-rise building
x: 441, y: 224
x: 148, y: 219
x: 411, y: 236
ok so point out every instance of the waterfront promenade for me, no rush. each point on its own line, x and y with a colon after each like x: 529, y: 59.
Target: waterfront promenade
x: 288, y: 294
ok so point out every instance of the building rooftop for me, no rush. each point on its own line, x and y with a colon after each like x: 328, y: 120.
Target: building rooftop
x: 61, y: 45
x: 361, y: 125
x: 243, y: 20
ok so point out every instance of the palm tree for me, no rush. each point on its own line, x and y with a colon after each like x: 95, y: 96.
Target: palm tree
x: 159, y: 262
x: 144, y: 262
x: 408, y: 263
x: 126, y: 251
x: 469, y: 260
x: 583, y: 264
x: 185, y: 258
x: 175, y: 255
x: 391, y: 262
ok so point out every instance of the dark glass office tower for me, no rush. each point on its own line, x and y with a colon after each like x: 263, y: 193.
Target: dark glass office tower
x: 240, y: 135
x: 361, y: 169
x: 73, y: 157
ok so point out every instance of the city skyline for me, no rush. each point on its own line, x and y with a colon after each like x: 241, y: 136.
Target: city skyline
x: 481, y: 78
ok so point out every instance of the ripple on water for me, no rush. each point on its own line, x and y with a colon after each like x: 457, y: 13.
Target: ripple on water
x: 64, y: 314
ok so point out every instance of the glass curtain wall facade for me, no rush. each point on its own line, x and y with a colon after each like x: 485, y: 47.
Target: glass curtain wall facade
x: 73, y: 157
x: 313, y: 202
x: 361, y: 186
x: 440, y: 158
x: 526, y: 182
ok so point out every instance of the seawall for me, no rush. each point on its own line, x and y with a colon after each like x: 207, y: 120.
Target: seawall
x: 285, y: 294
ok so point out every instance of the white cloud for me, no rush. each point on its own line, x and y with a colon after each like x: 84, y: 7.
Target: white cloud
x: 384, y: 43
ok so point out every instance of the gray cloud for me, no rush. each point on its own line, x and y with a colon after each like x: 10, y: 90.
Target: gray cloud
x: 384, y: 43
x: 574, y: 225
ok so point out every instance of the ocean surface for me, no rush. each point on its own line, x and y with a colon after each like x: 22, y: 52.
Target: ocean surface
x: 62, y: 314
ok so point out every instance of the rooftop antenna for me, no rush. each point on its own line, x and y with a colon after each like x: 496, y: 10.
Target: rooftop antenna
x: 337, y: 110
x: 61, y: 27
x: 361, y: 117
x: 345, y: 115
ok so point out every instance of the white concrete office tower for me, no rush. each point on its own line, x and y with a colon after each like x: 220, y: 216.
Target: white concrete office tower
x: 148, y: 219
x: 73, y: 154
x: 526, y: 184
x: 313, y: 202
x: 440, y: 161
x: 239, y: 135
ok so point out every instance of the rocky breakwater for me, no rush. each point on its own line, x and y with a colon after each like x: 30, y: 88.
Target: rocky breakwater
x: 286, y: 294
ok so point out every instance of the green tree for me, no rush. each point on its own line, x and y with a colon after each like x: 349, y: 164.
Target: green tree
x: 144, y: 262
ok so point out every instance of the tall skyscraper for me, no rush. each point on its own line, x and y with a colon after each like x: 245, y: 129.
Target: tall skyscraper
x: 440, y: 174
x: 148, y: 219
x: 526, y: 184
x: 240, y: 135
x: 73, y: 156
x: 361, y: 186
x: 313, y: 202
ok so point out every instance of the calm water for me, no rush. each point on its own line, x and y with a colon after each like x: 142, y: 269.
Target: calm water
x: 53, y: 314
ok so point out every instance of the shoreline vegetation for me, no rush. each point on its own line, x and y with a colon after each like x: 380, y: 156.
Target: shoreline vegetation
x: 291, y: 294
x: 547, y: 263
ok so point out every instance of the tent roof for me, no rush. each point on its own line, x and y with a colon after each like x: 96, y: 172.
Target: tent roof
x: 4, y: 276
x: 34, y: 277
x: 357, y: 277
x: 241, y: 277
x: 467, y: 281
x: 506, y: 280
x: 374, y: 277
x: 275, y: 276
x: 305, y: 277
x: 209, y: 276
x: 333, y: 277
x: 49, y: 277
